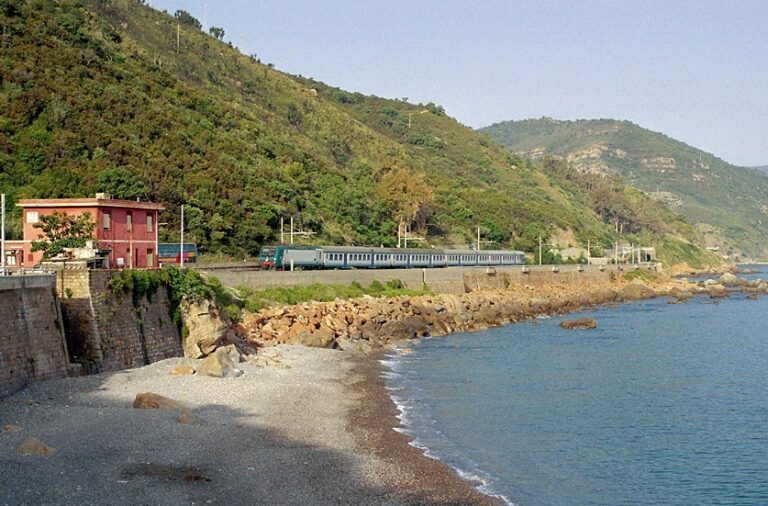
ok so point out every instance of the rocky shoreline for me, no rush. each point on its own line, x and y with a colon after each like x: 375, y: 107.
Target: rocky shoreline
x: 367, y: 324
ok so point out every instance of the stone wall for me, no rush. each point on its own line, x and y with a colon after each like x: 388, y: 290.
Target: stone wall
x: 446, y: 280
x: 32, y: 346
x: 106, y: 331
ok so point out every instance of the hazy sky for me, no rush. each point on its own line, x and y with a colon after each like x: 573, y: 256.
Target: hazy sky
x: 694, y: 70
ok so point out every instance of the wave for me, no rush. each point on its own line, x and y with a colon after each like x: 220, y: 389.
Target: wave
x: 412, y: 423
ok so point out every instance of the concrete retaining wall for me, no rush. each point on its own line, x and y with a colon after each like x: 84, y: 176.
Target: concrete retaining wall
x: 444, y: 280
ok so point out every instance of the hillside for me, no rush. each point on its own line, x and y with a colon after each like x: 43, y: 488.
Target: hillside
x: 115, y: 96
x: 726, y: 203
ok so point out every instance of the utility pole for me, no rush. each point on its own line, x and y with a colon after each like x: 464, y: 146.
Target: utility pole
x: 399, y: 226
x: 178, y: 37
x: 181, y: 240
x: 478, y: 239
x: 2, y: 235
x: 291, y: 230
x: 589, y: 254
x: 282, y: 231
x: 539, y: 250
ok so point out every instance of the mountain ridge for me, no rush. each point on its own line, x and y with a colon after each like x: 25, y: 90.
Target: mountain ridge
x: 724, y: 201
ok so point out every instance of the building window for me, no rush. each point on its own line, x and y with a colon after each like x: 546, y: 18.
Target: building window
x: 150, y: 223
x: 150, y: 258
x: 105, y: 220
x: 129, y: 222
x: 32, y: 217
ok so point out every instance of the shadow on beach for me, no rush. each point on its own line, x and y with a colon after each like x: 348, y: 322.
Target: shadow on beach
x: 107, y: 452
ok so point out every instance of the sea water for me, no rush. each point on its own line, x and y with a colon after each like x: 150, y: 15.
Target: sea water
x: 661, y: 404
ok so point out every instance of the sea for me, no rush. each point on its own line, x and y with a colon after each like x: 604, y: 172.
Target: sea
x: 663, y: 404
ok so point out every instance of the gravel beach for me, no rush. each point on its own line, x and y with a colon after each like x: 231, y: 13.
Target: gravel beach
x: 315, y: 428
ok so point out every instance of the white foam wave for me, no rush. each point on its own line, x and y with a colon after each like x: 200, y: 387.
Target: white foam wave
x: 393, y: 367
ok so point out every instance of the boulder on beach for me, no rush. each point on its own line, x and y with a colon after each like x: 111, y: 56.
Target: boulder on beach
x: 151, y: 400
x: 354, y: 345
x: 579, y: 323
x: 408, y: 327
x: 182, y: 370
x: 637, y: 291
x: 602, y: 295
x: 33, y: 446
x: 728, y: 279
x: 207, y: 325
x: 322, y: 337
x: 219, y: 364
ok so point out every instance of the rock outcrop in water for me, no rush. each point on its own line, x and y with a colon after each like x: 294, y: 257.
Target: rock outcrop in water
x: 579, y: 324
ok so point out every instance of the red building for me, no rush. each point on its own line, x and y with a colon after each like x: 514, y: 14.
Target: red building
x: 13, y: 253
x: 127, y: 228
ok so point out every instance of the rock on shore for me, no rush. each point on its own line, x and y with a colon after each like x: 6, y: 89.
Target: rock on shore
x: 368, y: 323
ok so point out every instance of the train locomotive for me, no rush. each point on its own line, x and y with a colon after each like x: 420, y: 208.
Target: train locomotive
x: 356, y: 257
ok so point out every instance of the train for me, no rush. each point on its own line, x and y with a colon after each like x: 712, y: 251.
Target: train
x: 168, y: 252
x: 356, y: 257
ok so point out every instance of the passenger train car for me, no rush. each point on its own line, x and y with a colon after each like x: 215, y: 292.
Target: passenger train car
x: 355, y: 257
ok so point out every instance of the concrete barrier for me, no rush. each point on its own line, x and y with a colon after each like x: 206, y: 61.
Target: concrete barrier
x: 439, y: 280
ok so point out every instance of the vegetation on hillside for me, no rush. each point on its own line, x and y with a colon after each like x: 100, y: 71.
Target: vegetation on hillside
x: 254, y: 300
x: 101, y: 95
x: 704, y: 189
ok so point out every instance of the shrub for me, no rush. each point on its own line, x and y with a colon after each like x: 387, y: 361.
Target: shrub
x: 257, y: 300
x: 638, y: 274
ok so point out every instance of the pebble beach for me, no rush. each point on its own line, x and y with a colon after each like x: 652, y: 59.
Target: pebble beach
x: 313, y: 427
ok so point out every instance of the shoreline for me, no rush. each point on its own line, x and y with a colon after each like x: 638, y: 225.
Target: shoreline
x: 315, y: 427
x: 373, y: 424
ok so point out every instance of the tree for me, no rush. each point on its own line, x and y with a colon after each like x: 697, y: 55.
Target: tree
x: 187, y: 18
x: 217, y: 32
x: 408, y: 196
x: 121, y: 183
x: 61, y: 230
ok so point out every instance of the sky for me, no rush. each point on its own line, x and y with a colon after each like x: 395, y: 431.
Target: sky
x: 695, y: 70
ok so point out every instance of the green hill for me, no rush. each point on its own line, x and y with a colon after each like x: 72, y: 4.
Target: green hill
x: 102, y: 95
x: 726, y: 203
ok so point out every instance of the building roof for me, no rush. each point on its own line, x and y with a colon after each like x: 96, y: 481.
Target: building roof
x: 89, y: 202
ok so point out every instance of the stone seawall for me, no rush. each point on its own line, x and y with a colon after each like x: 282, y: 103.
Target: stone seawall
x: 440, y: 280
x: 32, y: 346
x: 106, y: 331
